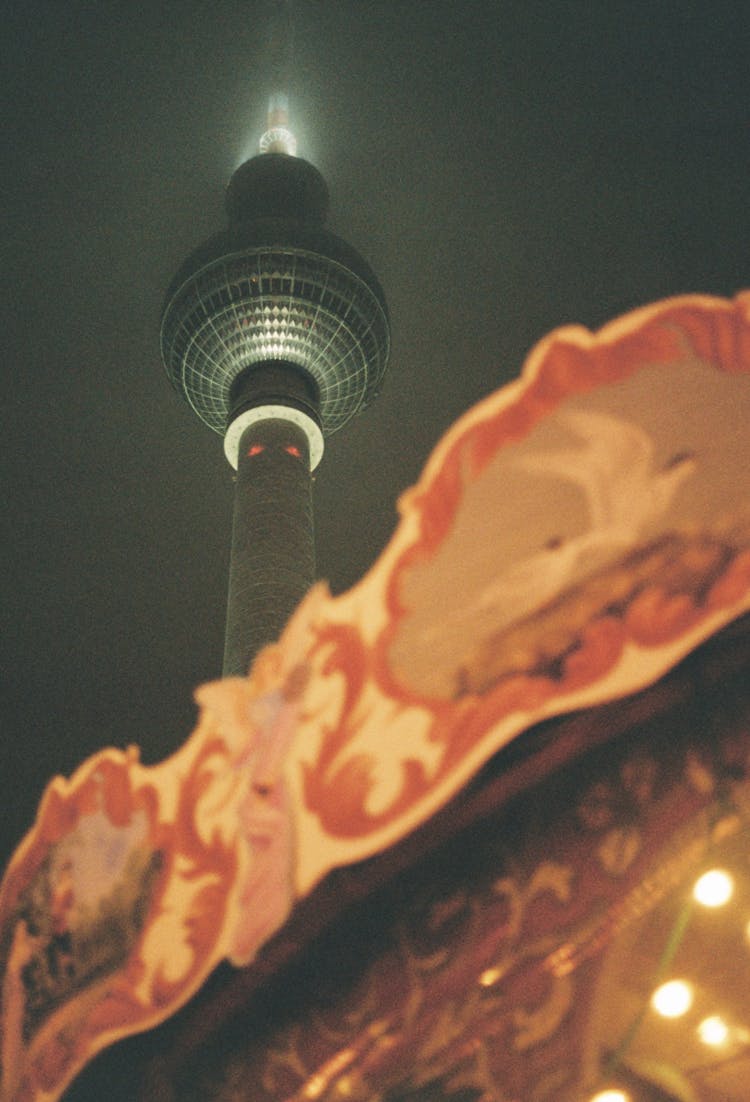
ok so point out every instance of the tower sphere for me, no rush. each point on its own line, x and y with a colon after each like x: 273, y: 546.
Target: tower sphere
x: 276, y: 286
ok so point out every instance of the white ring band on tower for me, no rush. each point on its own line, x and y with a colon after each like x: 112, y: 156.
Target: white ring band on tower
x: 311, y: 429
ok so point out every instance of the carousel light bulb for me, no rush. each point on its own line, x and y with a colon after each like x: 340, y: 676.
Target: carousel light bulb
x: 672, y: 999
x: 714, y: 888
x: 611, y: 1095
x: 713, y: 1031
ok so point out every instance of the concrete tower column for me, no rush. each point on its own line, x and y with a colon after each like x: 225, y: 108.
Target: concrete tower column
x: 274, y: 440
x: 272, y: 562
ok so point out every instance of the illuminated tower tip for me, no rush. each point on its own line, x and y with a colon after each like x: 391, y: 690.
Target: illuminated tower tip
x: 278, y: 138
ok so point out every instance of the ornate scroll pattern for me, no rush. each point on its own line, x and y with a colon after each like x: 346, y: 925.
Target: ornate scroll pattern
x: 136, y: 882
x: 450, y: 991
x: 603, y: 484
x: 571, y: 538
x: 485, y: 986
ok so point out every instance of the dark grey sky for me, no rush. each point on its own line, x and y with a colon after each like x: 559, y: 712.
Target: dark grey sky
x: 506, y: 167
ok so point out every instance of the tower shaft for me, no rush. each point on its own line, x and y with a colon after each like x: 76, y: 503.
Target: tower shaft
x: 272, y: 562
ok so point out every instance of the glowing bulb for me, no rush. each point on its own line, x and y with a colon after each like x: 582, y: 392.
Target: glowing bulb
x: 714, y: 888
x: 611, y: 1096
x: 672, y: 999
x: 713, y: 1031
x: 490, y: 976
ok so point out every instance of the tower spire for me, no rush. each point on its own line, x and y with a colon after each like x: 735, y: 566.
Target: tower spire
x: 278, y: 137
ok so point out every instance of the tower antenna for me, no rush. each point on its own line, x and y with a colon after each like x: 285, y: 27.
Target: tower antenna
x: 281, y: 44
x: 276, y: 333
x: 278, y: 137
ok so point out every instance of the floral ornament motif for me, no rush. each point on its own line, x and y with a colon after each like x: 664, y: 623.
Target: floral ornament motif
x: 615, y: 808
x: 699, y: 774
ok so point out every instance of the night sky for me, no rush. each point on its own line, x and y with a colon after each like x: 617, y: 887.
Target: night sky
x: 505, y: 167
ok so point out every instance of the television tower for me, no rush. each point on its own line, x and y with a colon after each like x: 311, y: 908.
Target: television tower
x: 276, y: 333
